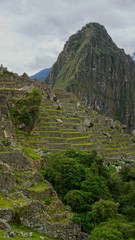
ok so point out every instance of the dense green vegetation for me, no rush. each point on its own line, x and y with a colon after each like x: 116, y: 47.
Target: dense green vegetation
x: 102, y: 200
x: 25, y: 110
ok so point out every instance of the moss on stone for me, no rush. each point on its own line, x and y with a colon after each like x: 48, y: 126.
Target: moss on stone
x: 31, y: 153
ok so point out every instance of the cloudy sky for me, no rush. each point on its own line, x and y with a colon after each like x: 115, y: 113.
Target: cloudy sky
x: 33, y: 32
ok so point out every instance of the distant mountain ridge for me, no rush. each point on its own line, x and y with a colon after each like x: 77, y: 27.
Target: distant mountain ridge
x: 42, y: 75
x: 133, y: 56
x: 96, y: 70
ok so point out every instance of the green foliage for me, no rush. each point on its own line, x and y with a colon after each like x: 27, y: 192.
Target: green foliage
x: 47, y: 201
x: 127, y: 201
x: 115, y: 185
x: 133, y: 139
x: 14, y: 114
x: 103, y: 210
x: 105, y: 232
x: 26, y: 110
x: 64, y: 173
x: 25, y: 116
x: 77, y: 200
x: 5, y: 142
x: 79, y: 179
x: 113, y: 229
x: 127, y: 173
x: 95, y: 193
x: 76, y: 44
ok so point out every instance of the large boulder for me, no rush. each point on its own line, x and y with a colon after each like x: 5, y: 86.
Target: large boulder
x: 36, y: 217
x: 15, y: 159
x: 4, y: 226
x: 7, y: 180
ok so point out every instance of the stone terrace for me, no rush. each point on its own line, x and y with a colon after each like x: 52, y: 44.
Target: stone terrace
x: 64, y: 123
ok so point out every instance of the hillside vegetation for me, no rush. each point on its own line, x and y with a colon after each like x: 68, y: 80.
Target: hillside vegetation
x: 102, y: 199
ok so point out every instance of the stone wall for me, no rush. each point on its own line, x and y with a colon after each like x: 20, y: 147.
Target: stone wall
x: 6, y: 125
x: 34, y: 216
x: 9, y: 93
x: 15, y: 159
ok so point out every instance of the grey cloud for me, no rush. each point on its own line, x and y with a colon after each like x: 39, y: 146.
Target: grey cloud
x: 39, y: 63
x: 45, y: 20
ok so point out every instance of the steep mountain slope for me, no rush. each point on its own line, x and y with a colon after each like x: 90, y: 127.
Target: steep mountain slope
x: 42, y: 75
x: 95, y: 69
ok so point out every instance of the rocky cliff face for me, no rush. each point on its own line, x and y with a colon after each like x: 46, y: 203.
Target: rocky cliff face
x: 95, y: 69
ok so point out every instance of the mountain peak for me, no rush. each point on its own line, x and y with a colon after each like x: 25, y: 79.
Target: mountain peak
x: 95, y: 69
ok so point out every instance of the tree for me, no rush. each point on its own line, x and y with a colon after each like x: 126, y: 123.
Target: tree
x: 25, y: 116
x: 106, y: 233
x: 103, y: 210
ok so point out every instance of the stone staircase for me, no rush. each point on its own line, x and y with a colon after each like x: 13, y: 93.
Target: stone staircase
x: 80, y: 127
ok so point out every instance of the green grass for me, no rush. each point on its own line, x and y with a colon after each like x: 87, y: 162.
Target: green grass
x: 21, y: 228
x: 34, y: 141
x: 132, y: 152
x: 5, y: 152
x: 50, y: 149
x: 31, y: 153
x: 52, y: 110
x: 9, y: 204
x: 3, y: 105
x: 47, y: 106
x: 68, y: 103
x: 7, y: 88
x: 39, y: 126
x: 111, y: 153
x: 53, y: 137
x: 36, y: 135
x: 54, y: 116
x: 40, y: 188
x: 79, y: 111
x: 69, y: 129
x: 83, y: 137
x: 83, y: 144
x: 72, y: 132
x: 59, y: 143
x: 48, y: 132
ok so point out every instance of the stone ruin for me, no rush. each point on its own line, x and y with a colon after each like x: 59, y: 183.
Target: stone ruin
x: 2, y: 69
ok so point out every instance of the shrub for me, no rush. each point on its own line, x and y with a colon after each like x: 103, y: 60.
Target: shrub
x: 26, y: 110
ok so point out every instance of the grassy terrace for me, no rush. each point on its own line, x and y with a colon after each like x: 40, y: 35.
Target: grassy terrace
x: 114, y: 153
x: 4, y: 203
x: 40, y: 188
x: 55, y: 136
x: 63, y: 117
x: 54, y: 150
x: 83, y: 144
x: 87, y: 136
x: 21, y: 228
x: 51, y: 110
x: 61, y: 123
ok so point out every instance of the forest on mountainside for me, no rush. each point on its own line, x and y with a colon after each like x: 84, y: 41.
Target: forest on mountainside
x: 102, y: 199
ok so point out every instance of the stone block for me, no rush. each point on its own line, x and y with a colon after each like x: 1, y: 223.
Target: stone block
x: 4, y: 226
x: 4, y: 110
x: 7, y: 180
